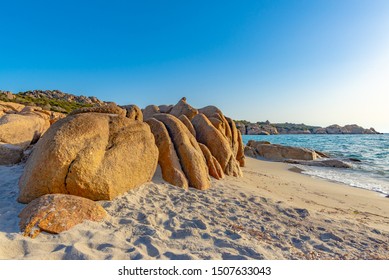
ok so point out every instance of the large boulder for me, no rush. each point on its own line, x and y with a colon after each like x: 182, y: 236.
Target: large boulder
x: 92, y: 155
x: 208, y: 135
x: 168, y: 159
x: 133, y: 112
x: 23, y: 129
x: 183, y: 108
x: 165, y: 108
x: 55, y: 213
x: 280, y: 153
x: 217, y: 143
x: 218, y: 120
x: 10, y: 154
x: 188, y: 150
x: 250, y: 152
x: 150, y: 111
x: 10, y: 107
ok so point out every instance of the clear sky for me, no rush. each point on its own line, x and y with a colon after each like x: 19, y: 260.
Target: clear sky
x: 304, y: 61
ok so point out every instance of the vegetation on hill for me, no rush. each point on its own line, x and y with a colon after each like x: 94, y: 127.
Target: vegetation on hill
x: 294, y: 127
x: 56, y: 105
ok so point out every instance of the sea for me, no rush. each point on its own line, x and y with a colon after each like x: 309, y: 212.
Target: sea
x: 372, y: 172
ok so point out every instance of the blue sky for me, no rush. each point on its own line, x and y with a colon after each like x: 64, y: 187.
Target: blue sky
x: 317, y: 62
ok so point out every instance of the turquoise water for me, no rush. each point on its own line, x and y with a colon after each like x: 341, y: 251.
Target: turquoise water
x: 373, y: 150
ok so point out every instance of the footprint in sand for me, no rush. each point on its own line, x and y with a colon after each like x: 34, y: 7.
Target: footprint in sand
x: 146, y: 241
x: 297, y: 243
x: 144, y: 230
x: 321, y: 247
x: 104, y: 247
x: 172, y: 256
x: 195, y: 223
x: 229, y: 256
x: 329, y: 236
x: 182, y: 233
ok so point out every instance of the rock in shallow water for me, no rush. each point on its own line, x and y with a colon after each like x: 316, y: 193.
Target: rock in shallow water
x: 279, y: 153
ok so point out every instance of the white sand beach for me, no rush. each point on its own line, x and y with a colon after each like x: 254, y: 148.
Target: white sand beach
x: 270, y: 213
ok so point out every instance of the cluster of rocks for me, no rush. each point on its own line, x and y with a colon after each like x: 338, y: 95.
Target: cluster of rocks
x: 7, y: 94
x: 57, y: 94
x: 267, y: 128
x: 99, y: 153
x: 294, y: 155
x: 195, y: 143
x: 20, y: 127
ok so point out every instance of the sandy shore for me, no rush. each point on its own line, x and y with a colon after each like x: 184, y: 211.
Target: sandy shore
x: 271, y: 213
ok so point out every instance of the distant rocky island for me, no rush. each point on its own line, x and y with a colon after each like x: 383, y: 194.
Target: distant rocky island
x: 267, y: 128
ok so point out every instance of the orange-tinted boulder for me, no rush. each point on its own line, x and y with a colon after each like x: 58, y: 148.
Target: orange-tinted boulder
x: 188, y: 150
x: 93, y: 155
x: 55, y: 213
x: 217, y: 143
x: 183, y: 108
x: 133, y: 112
x: 168, y: 159
x: 150, y: 111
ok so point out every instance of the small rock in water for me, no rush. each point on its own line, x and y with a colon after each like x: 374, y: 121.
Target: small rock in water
x: 354, y: 160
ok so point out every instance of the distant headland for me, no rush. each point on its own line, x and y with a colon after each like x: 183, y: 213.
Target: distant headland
x: 267, y: 128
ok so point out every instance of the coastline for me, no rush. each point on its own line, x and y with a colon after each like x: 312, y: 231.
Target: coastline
x: 366, y: 154
x: 270, y: 213
x: 304, y: 187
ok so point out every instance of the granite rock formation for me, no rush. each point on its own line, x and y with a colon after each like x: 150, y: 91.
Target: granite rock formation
x: 188, y: 150
x: 168, y: 159
x: 55, y: 213
x: 94, y: 155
